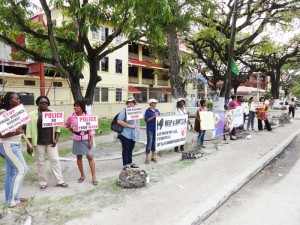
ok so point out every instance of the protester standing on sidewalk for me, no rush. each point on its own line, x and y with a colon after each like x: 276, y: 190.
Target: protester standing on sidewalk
x: 198, y: 118
x: 180, y: 110
x: 228, y: 123
x: 44, y: 141
x: 129, y: 135
x: 150, y: 118
x: 252, y: 112
x: 263, y: 116
x: 82, y: 141
x: 10, y: 148
x: 232, y: 105
x: 292, y: 107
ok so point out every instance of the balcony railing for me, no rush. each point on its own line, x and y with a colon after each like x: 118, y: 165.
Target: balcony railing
x: 147, y: 59
x: 133, y: 55
x: 147, y: 81
x: 163, y: 82
x: 133, y: 80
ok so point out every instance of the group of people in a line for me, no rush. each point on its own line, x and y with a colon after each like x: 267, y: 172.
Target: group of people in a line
x: 43, y: 141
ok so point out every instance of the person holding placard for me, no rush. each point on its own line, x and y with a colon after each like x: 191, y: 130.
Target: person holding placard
x: 180, y: 110
x: 129, y: 135
x: 44, y: 141
x: 10, y: 148
x: 150, y: 118
x: 82, y: 141
x: 263, y: 116
x: 232, y: 105
x: 252, y: 112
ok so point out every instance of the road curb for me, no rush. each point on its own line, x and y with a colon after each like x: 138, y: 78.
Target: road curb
x: 205, y: 209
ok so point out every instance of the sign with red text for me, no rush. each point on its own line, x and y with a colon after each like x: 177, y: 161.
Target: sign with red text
x: 87, y: 122
x: 12, y: 119
x: 52, y: 119
x: 134, y: 113
x: 170, y: 131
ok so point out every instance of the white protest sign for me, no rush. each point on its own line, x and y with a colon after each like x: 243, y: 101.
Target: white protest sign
x: 52, y: 119
x: 87, y: 122
x: 258, y: 104
x: 13, y: 118
x: 170, y: 131
x: 207, y: 120
x: 238, y: 116
x: 134, y: 113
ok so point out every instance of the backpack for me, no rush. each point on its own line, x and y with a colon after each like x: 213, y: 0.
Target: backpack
x: 115, y: 126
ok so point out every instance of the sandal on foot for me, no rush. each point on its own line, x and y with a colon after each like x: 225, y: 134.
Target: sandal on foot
x: 134, y: 166
x: 153, y: 160
x: 23, y: 199
x: 81, y: 179
x: 42, y: 187
x: 95, y: 182
x: 63, y: 185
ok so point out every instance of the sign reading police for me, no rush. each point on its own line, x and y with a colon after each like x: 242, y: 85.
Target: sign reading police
x: 52, y: 119
x: 170, y: 131
x: 134, y: 113
x: 87, y: 122
x: 13, y: 118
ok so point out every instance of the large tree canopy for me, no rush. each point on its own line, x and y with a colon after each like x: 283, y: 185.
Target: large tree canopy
x: 67, y: 46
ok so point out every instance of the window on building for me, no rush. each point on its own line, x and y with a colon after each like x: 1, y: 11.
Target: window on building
x: 104, y: 33
x: 97, y: 95
x: 104, y: 94
x: 118, y: 94
x: 29, y: 82
x: 145, y: 51
x: 95, y: 35
x: 1, y: 81
x: 104, y: 64
x: 133, y: 48
x: 133, y: 71
x: 57, y: 84
x: 54, y: 22
x: 148, y: 73
x: 118, y: 66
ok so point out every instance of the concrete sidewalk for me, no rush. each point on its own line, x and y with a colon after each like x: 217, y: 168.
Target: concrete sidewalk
x: 192, y: 194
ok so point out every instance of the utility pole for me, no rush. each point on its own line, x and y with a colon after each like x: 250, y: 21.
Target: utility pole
x: 230, y: 52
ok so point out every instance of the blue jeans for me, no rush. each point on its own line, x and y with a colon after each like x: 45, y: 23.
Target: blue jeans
x: 150, y: 142
x: 127, y: 149
x: 201, y: 137
x: 16, y: 170
x: 251, y: 117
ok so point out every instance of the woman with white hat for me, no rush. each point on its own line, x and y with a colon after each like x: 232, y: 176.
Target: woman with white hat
x: 129, y: 135
x: 180, y: 110
x: 150, y: 118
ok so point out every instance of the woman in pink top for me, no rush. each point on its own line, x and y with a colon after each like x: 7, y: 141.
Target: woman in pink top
x: 82, y: 141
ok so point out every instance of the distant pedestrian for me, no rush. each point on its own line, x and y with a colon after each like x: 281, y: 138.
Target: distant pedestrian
x: 292, y: 107
x: 252, y: 112
x: 271, y: 102
x: 10, y: 149
x: 232, y: 105
x: 44, y: 141
x: 82, y: 141
x: 129, y: 135
x: 262, y: 115
x: 180, y: 110
x: 150, y: 117
x: 202, y: 132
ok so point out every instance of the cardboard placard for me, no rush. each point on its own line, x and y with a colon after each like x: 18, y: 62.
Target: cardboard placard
x: 134, y: 113
x: 52, y: 119
x: 206, y: 120
x: 12, y: 119
x: 238, y: 116
x: 258, y: 104
x: 87, y: 122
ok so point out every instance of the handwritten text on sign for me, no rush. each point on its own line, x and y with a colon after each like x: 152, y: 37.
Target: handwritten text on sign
x: 13, y: 118
x: 170, y: 131
x: 87, y: 122
x: 238, y: 116
x: 134, y: 113
x: 52, y: 119
x: 258, y: 105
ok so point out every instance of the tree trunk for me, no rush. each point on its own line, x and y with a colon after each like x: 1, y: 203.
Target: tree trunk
x: 75, y: 89
x: 94, y: 79
x: 178, y: 87
x: 274, y: 86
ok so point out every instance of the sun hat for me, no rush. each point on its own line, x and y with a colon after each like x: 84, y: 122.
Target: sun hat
x: 131, y: 99
x: 180, y: 99
x: 152, y: 100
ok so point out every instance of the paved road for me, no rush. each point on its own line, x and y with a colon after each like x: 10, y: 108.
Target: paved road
x: 271, y: 198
